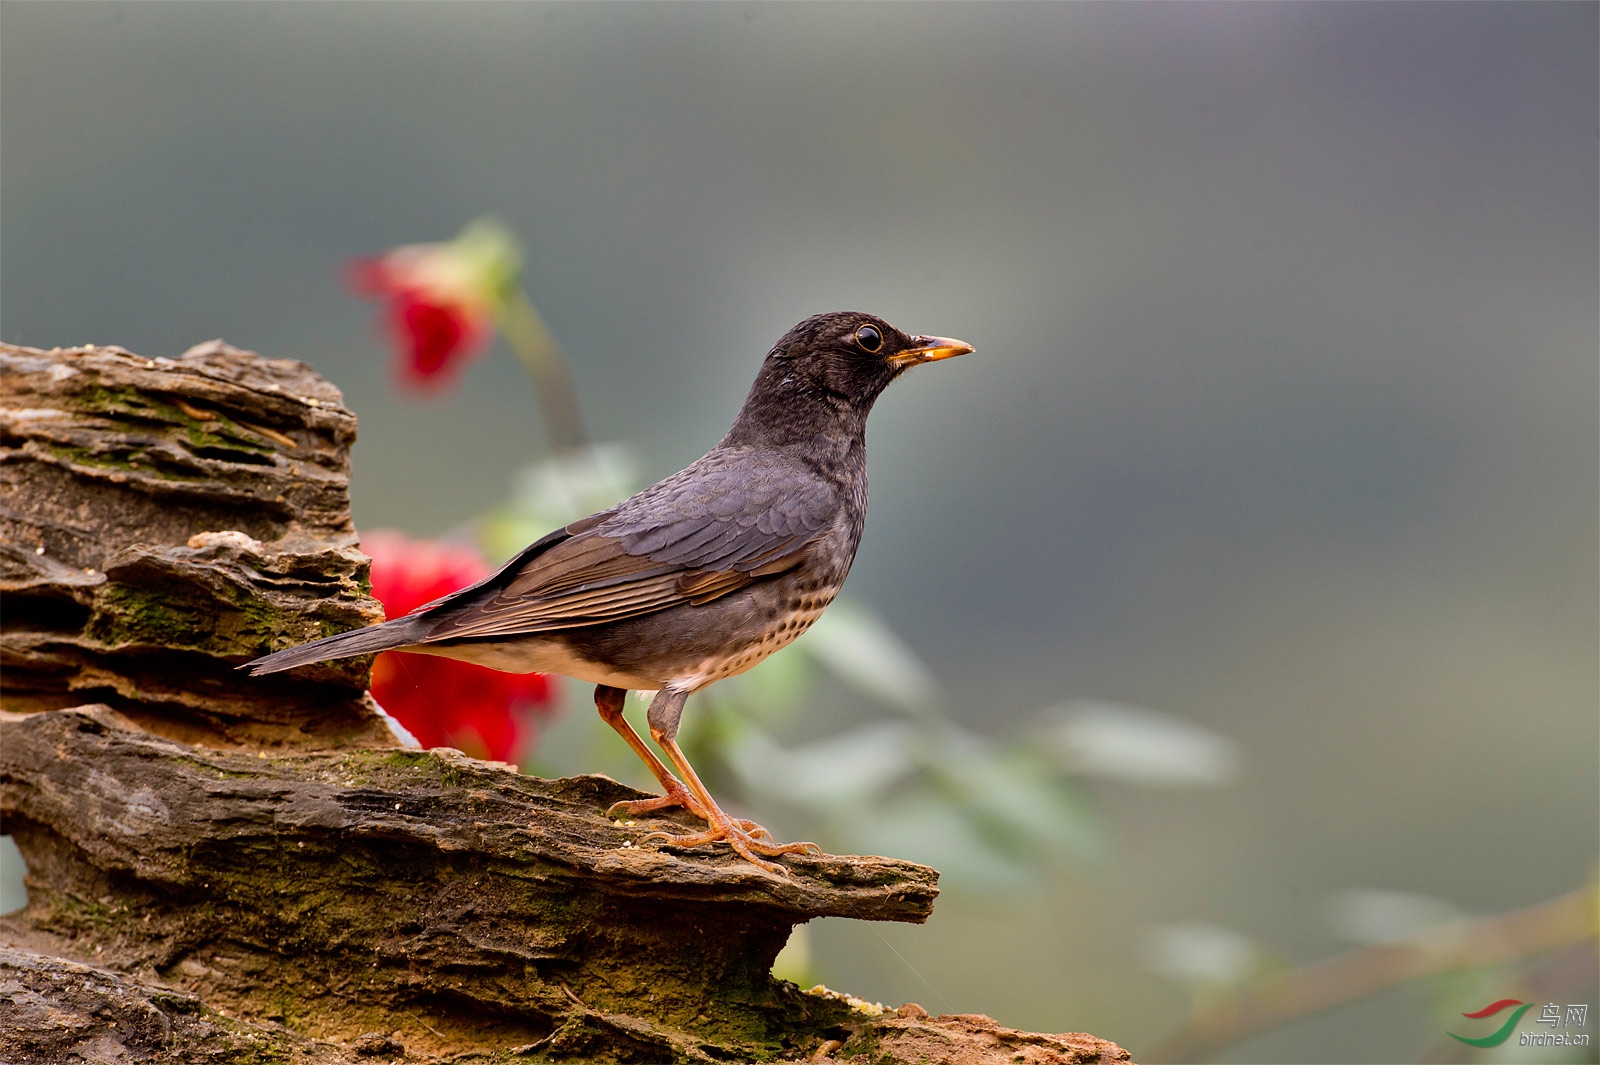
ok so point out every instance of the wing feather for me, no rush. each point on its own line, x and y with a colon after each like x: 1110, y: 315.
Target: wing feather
x: 729, y: 519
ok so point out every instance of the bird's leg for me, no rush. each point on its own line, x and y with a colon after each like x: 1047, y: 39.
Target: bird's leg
x: 609, y: 701
x: 747, y: 838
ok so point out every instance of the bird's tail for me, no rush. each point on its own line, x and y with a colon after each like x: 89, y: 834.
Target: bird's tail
x: 385, y: 637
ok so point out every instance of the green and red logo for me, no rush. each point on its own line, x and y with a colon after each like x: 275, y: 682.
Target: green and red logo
x: 1501, y: 1034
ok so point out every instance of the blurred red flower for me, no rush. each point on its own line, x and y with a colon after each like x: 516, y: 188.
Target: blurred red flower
x: 445, y: 703
x: 440, y: 298
x: 433, y: 333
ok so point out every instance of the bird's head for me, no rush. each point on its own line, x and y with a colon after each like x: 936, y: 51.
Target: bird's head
x: 849, y: 355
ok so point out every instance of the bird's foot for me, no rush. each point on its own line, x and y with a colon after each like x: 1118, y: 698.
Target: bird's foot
x: 748, y: 839
x: 678, y: 795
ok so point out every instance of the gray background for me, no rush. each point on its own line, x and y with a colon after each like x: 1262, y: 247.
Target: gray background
x: 1282, y: 419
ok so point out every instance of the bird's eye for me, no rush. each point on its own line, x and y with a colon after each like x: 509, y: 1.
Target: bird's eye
x: 869, y: 338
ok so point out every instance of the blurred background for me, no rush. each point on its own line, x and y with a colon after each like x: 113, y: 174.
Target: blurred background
x: 1257, y: 540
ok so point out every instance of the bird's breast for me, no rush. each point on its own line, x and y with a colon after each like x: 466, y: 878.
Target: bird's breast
x: 794, y: 614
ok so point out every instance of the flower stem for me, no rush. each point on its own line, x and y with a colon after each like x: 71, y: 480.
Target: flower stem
x: 531, y: 340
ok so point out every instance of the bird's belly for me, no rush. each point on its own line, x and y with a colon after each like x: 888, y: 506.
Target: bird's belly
x: 736, y: 660
x: 535, y: 655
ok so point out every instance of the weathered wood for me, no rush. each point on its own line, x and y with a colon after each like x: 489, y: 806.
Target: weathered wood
x: 417, y: 891
x: 163, y: 520
x: 54, y: 1011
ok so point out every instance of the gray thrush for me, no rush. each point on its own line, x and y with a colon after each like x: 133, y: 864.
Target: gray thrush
x: 696, y: 578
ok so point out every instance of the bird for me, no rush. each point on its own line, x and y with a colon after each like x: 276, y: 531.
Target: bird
x: 697, y: 577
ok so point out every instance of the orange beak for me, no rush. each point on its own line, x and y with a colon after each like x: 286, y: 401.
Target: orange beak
x: 929, y: 349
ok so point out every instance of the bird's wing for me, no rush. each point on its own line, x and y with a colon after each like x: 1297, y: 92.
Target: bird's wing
x: 722, y: 523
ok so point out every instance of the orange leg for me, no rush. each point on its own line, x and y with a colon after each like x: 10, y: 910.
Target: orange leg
x: 609, y: 702
x: 747, y: 838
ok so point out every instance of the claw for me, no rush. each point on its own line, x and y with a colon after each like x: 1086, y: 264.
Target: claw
x: 677, y: 795
x: 748, y: 840
x: 756, y: 831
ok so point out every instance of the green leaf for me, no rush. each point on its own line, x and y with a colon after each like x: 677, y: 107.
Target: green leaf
x: 858, y: 647
x: 1372, y: 916
x: 922, y: 826
x: 1137, y: 745
x: 1034, y: 813
x: 769, y: 692
x: 560, y: 489
x: 491, y: 251
x: 1198, y: 952
x: 1026, y: 807
x: 843, y: 771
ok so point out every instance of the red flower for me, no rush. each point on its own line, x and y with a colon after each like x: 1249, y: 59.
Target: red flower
x: 440, y: 299
x: 433, y: 334
x: 445, y: 703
